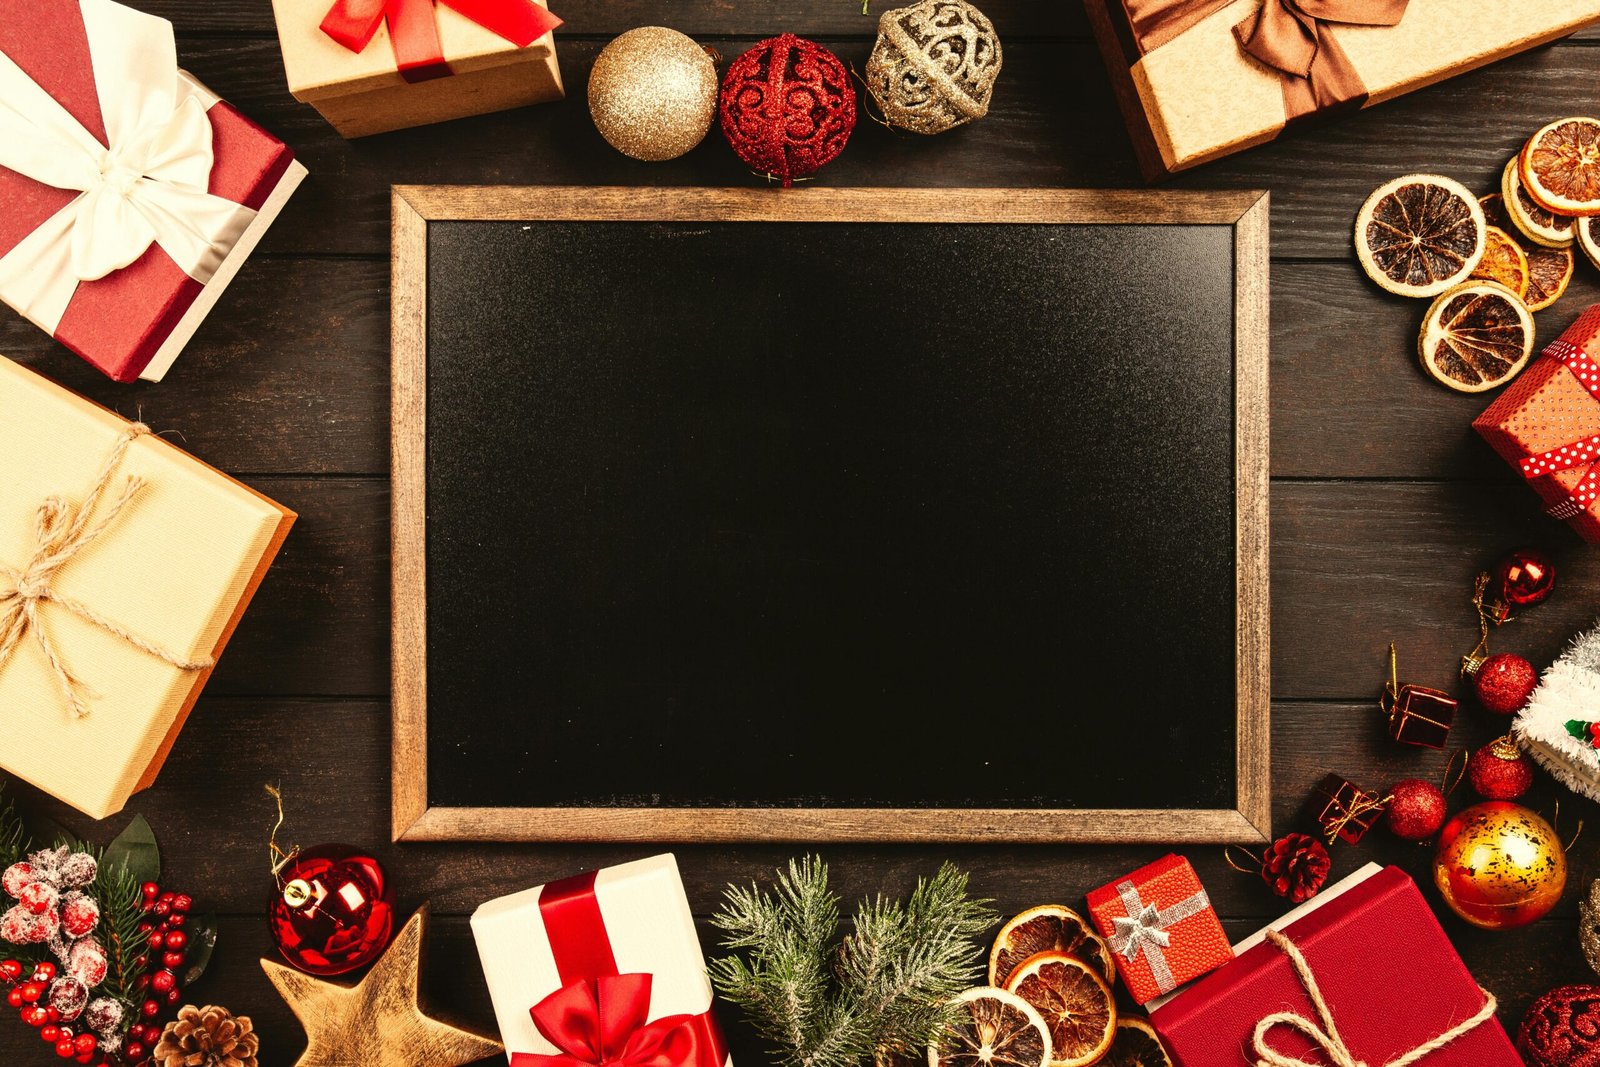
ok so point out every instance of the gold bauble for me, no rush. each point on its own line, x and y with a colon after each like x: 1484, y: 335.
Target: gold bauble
x: 1499, y: 865
x: 934, y: 65
x: 652, y: 93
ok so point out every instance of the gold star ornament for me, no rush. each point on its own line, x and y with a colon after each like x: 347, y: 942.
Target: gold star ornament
x: 378, y: 1022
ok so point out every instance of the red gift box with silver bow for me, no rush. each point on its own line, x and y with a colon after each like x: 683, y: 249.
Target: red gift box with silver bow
x: 1362, y: 973
x: 1547, y: 425
x: 1161, y: 927
x: 604, y: 968
x: 129, y: 194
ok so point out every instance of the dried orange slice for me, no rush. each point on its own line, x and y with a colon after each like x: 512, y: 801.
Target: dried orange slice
x: 1075, y: 1002
x: 993, y: 1029
x: 1549, y: 271
x: 1136, y: 1045
x: 1560, y: 166
x: 1587, y: 242
x: 1420, y: 234
x: 1476, y: 337
x: 1503, y: 261
x: 1538, y: 225
x: 1047, y: 928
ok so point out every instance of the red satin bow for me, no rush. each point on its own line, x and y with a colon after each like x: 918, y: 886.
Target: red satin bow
x: 600, y: 1022
x: 414, y: 29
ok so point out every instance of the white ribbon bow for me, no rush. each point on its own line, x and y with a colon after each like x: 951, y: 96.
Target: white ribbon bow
x: 149, y: 186
x: 1143, y: 931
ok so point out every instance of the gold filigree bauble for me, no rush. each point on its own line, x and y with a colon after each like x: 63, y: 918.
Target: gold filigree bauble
x: 652, y: 93
x: 934, y: 65
x: 1499, y: 865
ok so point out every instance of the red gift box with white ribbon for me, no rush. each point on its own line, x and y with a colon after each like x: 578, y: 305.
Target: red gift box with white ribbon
x: 129, y: 194
x: 602, y: 968
x: 1161, y: 927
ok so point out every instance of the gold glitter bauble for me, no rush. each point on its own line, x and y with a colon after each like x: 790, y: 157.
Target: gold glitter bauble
x: 652, y: 93
x: 1499, y: 865
x: 934, y: 65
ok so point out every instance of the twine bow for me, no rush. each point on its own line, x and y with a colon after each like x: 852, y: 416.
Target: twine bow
x: 1326, y: 1036
x: 1143, y: 931
x: 1294, y: 38
x: 60, y: 533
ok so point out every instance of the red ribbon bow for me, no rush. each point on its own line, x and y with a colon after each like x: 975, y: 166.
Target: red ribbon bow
x: 600, y: 1022
x: 414, y: 29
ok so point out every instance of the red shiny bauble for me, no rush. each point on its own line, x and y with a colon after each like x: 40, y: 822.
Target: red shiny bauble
x: 334, y: 911
x: 1562, y: 1028
x: 1416, y: 809
x: 787, y: 107
x: 1524, y: 578
x: 1504, y: 682
x: 1499, y: 771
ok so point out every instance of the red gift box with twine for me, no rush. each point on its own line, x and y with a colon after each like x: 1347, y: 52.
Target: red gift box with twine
x: 1161, y: 926
x: 1547, y: 425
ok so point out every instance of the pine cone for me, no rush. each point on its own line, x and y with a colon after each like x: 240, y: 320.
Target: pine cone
x: 207, y: 1037
x: 1295, y: 866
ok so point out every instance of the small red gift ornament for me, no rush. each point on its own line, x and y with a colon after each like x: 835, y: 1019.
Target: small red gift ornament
x: 1547, y: 425
x: 1346, y: 811
x: 1161, y: 926
x: 1417, y: 715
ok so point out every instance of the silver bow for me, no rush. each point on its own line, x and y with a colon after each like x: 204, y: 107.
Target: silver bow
x: 1144, y: 930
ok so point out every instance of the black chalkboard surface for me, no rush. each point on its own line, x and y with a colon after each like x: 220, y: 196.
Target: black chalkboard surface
x: 830, y: 514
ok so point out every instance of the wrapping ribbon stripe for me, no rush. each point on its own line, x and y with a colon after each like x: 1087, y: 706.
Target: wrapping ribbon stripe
x: 598, y: 1018
x: 414, y: 28
x: 1324, y: 1034
x: 1292, y: 37
x: 1580, y: 453
x: 60, y: 533
x: 1144, y: 930
x: 147, y: 185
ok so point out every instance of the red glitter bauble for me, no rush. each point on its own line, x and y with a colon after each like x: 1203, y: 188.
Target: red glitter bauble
x: 1504, y: 682
x: 787, y: 107
x: 333, y: 912
x: 1416, y: 809
x: 1499, y: 771
x: 1524, y: 578
x: 1562, y: 1028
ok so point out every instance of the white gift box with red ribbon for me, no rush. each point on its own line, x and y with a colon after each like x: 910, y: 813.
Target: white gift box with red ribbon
x: 605, y: 967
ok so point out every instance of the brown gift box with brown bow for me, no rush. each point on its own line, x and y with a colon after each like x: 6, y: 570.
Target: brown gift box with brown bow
x: 1201, y: 79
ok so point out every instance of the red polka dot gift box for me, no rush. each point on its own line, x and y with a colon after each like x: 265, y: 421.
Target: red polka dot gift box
x: 1547, y: 425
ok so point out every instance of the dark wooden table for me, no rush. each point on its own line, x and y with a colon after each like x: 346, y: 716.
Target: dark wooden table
x: 1384, y: 502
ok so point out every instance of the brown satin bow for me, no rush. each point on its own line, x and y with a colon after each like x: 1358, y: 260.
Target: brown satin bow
x: 1290, y: 36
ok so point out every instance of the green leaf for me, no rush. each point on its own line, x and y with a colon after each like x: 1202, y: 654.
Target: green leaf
x: 202, y: 939
x: 1578, y: 728
x: 135, y: 849
x: 47, y: 833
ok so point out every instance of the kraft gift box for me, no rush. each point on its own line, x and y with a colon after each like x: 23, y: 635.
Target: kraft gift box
x: 128, y: 562
x: 441, y: 65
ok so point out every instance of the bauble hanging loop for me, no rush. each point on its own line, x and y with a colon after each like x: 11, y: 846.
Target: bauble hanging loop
x: 787, y: 107
x: 934, y: 65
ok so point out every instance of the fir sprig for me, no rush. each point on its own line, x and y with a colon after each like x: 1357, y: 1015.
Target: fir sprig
x: 826, y: 1001
x: 121, y: 899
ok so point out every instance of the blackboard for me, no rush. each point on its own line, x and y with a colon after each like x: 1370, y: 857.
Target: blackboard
x: 830, y: 514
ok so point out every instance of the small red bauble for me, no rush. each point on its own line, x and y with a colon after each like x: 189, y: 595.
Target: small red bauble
x: 1562, y: 1028
x: 1504, y: 682
x: 1416, y: 809
x: 1499, y: 771
x: 334, y: 912
x: 787, y: 107
x: 1524, y: 578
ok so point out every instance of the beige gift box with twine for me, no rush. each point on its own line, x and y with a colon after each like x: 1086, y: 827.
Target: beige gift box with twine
x: 1192, y: 93
x: 125, y: 564
x: 363, y: 93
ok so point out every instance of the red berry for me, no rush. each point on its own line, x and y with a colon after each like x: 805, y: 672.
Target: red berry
x: 160, y: 907
x: 142, y: 983
x: 150, y: 1009
x: 182, y: 903
x: 157, y: 939
x: 64, y: 1048
x: 177, y: 939
x: 172, y: 960
x: 174, y: 995
x: 133, y: 1052
x: 150, y: 890
x: 11, y: 970
x: 35, y: 1016
x: 163, y: 981
x: 50, y: 1032
x: 84, y: 1043
x: 31, y: 992
x: 176, y: 919
x: 167, y: 898
x: 85, y: 1058
x: 54, y: 1014
x: 39, y: 897
x: 14, y: 997
x: 44, y: 971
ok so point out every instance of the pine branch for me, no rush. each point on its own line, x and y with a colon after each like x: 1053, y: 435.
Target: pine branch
x: 121, y: 900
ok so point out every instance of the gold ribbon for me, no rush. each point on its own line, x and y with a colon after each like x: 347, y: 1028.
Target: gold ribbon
x: 1292, y: 37
x: 60, y: 533
x: 1326, y: 1036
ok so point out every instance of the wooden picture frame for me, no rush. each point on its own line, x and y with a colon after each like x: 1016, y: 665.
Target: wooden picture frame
x: 413, y: 819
